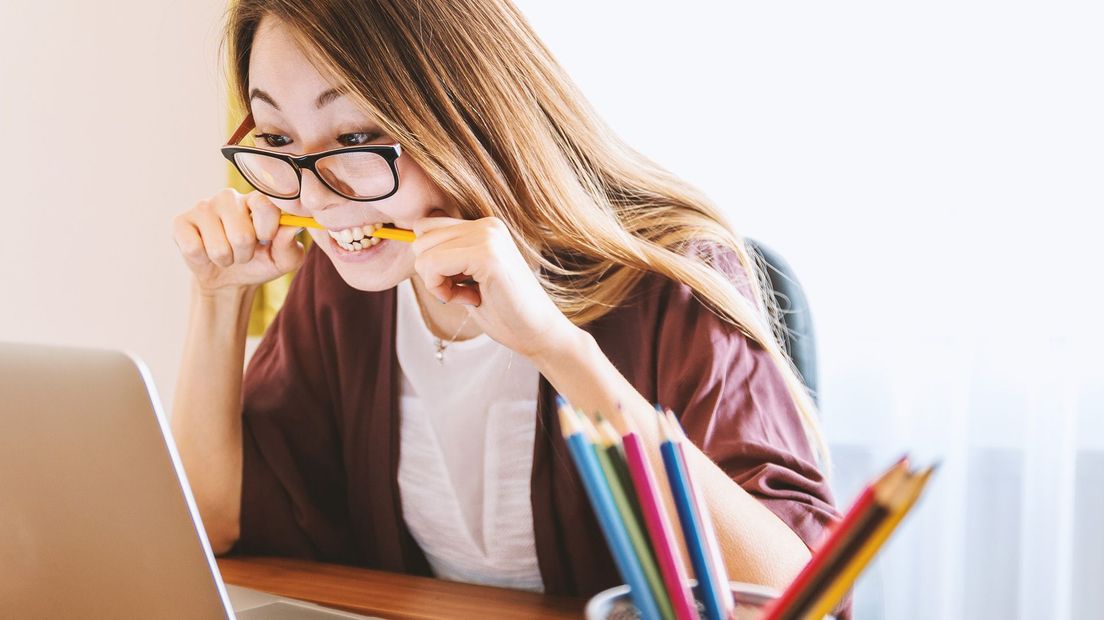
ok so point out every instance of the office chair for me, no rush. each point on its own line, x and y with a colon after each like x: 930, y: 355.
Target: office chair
x: 799, y: 341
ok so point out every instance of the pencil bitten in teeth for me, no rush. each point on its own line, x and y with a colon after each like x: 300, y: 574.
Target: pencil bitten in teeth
x: 357, y: 237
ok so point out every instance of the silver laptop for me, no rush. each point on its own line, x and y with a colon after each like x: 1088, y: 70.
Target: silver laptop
x: 96, y: 516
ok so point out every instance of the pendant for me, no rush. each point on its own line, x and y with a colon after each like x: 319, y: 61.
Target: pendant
x: 440, y: 354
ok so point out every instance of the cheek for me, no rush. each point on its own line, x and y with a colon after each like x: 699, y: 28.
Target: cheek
x: 419, y: 195
x: 319, y: 237
x: 289, y: 206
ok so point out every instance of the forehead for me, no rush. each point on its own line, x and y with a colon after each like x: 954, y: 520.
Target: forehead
x: 280, y: 66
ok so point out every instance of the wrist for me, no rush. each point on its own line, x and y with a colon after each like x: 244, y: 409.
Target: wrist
x: 226, y: 295
x: 563, y: 350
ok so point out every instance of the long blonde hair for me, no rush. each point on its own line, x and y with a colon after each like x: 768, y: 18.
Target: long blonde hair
x: 478, y: 101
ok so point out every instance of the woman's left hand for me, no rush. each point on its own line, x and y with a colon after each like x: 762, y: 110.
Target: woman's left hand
x: 507, y: 300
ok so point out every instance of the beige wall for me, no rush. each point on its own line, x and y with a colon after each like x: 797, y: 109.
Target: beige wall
x: 110, y: 119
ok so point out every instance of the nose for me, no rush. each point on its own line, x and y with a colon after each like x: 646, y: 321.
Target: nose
x: 314, y: 196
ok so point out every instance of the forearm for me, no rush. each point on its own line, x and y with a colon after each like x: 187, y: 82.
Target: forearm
x: 757, y: 546
x: 206, y: 417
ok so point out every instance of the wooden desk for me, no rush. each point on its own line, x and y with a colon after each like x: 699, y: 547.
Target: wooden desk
x: 389, y: 594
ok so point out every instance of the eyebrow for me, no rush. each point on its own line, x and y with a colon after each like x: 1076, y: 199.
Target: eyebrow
x: 323, y: 99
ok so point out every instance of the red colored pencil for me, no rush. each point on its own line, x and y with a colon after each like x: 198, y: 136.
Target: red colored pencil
x: 828, y: 552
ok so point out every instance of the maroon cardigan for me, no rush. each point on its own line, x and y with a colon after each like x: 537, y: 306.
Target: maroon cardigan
x: 321, y: 426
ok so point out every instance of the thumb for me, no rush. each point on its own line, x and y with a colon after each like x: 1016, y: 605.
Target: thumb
x: 287, y: 252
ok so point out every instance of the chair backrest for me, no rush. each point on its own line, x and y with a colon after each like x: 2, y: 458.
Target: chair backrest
x: 800, y: 342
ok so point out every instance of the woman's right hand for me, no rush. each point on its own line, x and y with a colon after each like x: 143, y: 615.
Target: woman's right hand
x: 233, y: 241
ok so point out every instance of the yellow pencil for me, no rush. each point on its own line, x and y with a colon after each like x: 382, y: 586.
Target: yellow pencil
x: 906, y: 495
x: 397, y: 234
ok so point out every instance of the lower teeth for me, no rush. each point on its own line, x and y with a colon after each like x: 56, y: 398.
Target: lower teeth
x: 357, y: 246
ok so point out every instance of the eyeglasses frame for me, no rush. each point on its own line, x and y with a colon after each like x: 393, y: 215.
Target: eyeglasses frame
x: 389, y: 152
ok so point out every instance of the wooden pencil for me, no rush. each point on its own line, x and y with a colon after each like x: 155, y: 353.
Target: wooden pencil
x: 602, y: 501
x: 907, y: 493
x: 659, y: 528
x: 717, y: 570
x: 842, y: 542
x: 397, y: 234
x: 606, y: 448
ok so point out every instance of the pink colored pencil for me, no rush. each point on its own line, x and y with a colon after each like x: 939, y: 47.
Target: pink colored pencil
x: 659, y: 529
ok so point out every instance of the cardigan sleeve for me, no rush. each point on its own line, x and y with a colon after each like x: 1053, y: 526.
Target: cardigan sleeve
x: 732, y: 401
x: 293, y: 500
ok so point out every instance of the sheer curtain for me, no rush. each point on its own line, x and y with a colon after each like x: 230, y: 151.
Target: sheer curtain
x: 1010, y: 526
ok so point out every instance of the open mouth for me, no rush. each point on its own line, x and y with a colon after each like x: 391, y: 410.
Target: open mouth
x: 357, y: 238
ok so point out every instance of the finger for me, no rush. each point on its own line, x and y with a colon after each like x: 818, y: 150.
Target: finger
x: 434, y: 238
x: 215, y: 243
x: 265, y: 215
x: 438, y: 266
x: 238, y: 226
x: 467, y: 294
x: 427, y: 224
x: 287, y: 252
x: 188, y: 240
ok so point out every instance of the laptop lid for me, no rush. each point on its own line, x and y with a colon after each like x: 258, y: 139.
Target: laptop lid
x: 96, y: 516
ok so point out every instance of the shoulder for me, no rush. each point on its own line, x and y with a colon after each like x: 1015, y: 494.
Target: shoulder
x: 663, y: 302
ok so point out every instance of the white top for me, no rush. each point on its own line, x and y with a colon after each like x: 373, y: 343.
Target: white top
x: 466, y: 453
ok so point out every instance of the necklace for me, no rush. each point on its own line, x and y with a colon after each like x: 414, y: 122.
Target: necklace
x: 439, y: 344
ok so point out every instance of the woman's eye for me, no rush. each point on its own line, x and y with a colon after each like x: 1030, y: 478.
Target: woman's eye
x: 357, y: 139
x: 273, y: 140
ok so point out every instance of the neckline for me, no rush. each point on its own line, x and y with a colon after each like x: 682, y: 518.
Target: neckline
x: 408, y: 297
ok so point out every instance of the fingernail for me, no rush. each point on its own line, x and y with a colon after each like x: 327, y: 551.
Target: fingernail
x: 264, y: 241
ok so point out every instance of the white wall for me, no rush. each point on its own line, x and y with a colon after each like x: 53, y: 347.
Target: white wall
x: 902, y: 157
x: 110, y: 123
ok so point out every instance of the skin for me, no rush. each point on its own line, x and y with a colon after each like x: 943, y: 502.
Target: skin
x: 232, y: 243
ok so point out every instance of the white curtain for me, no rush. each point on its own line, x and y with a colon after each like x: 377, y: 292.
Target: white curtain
x: 1011, y: 525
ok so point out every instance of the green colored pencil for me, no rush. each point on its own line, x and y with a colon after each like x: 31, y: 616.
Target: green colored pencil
x: 602, y: 449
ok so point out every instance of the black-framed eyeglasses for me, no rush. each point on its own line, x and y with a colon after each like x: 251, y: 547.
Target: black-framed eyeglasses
x: 361, y: 173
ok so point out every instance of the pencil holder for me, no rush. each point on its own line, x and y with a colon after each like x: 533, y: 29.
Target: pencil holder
x: 615, y: 604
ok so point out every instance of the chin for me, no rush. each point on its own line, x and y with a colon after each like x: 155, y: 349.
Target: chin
x: 377, y: 268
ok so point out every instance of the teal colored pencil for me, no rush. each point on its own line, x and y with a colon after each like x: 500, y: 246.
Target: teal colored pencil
x: 608, y: 449
x: 697, y: 527
x: 601, y: 499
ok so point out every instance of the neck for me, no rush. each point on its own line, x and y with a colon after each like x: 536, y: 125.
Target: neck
x: 444, y: 319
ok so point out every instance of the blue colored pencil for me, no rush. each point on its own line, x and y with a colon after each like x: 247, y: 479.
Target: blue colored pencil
x: 713, y: 547
x: 601, y: 499
x: 692, y: 528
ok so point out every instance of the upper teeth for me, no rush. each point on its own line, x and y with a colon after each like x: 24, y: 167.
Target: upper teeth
x: 354, y: 238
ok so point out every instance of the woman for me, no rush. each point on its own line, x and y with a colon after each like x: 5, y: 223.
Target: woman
x: 398, y: 413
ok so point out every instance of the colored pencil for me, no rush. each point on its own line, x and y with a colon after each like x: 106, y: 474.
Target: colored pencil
x: 692, y: 527
x: 607, y: 449
x: 851, y: 545
x: 397, y: 234
x: 611, y: 441
x: 601, y: 499
x: 906, y: 496
x: 713, y: 558
x: 831, y: 553
x: 659, y: 529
